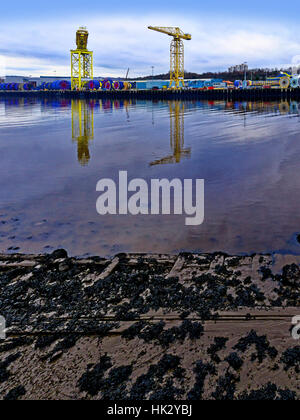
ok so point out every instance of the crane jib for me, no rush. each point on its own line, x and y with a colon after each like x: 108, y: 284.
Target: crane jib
x: 176, y: 53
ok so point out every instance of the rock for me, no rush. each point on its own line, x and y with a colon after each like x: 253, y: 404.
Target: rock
x: 63, y: 267
x: 59, y: 253
x: 291, y: 275
x: 56, y: 356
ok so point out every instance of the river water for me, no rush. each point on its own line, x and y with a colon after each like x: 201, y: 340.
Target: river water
x: 52, y: 153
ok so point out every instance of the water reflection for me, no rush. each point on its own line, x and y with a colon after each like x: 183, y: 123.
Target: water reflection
x: 82, y: 128
x: 281, y: 107
x: 247, y: 152
x: 83, y: 120
x: 176, y: 135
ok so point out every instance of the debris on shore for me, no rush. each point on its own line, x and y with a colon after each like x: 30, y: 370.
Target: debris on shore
x: 139, y: 326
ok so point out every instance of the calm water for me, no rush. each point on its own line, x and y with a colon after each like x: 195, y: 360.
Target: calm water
x: 53, y: 153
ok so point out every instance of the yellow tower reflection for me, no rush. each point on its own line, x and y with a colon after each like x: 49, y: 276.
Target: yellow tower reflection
x: 176, y: 135
x: 82, y: 128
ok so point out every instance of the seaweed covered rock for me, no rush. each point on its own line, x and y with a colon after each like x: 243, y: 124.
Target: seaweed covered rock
x: 291, y: 275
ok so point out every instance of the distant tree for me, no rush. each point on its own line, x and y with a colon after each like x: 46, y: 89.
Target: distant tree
x: 255, y: 74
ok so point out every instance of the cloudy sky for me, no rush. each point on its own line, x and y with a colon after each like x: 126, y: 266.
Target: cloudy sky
x: 35, y: 37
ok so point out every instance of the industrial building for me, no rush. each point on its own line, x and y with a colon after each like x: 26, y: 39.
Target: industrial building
x: 37, y: 80
x: 189, y: 83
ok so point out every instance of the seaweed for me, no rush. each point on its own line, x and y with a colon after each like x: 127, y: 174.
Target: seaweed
x: 93, y: 379
x: 150, y: 385
x: 226, y: 387
x: 201, y: 370
x: 291, y: 358
x: 234, y: 361
x: 15, y: 393
x: 219, y: 344
x: 262, y: 345
x: 269, y: 391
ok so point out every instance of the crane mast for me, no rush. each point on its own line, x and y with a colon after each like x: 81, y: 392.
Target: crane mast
x: 176, y: 53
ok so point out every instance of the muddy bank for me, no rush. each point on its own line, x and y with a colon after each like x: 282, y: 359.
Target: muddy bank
x: 192, y: 326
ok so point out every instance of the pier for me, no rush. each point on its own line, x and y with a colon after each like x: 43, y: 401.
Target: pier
x: 218, y: 94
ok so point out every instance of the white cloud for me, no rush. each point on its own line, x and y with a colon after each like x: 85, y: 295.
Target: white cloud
x: 2, y: 66
x: 122, y: 42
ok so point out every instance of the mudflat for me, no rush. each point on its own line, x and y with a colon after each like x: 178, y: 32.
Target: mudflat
x: 145, y: 326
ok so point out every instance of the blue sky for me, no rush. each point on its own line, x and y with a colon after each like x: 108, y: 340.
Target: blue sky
x: 36, y: 38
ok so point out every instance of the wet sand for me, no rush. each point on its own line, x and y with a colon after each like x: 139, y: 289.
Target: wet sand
x: 144, y: 326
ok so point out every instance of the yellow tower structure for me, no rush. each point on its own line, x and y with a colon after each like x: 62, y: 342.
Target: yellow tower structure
x: 176, y: 136
x: 176, y: 53
x: 82, y: 128
x: 81, y: 60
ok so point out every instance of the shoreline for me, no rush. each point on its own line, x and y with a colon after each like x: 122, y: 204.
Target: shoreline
x: 220, y: 94
x: 141, y: 326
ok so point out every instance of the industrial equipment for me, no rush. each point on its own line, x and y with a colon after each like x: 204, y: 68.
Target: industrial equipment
x: 81, y: 60
x: 93, y: 85
x: 176, y: 53
x: 176, y: 135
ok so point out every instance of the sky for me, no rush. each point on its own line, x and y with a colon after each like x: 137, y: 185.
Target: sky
x: 36, y: 37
